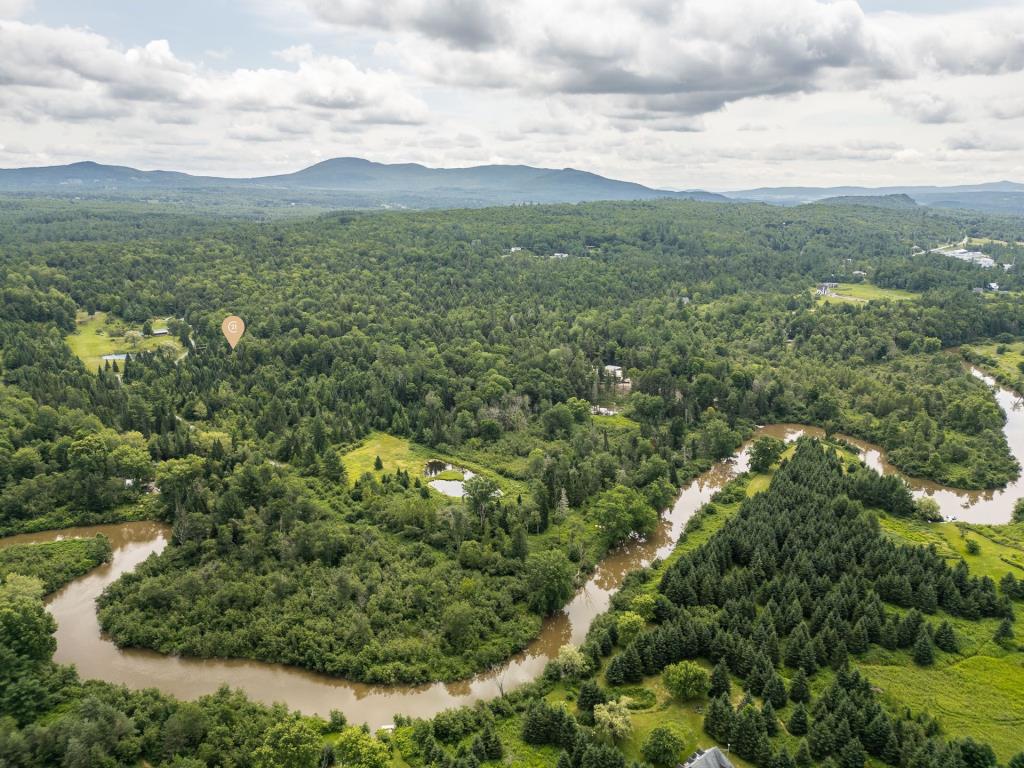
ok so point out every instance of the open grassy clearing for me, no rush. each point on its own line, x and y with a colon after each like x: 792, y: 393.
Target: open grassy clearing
x: 979, y: 696
x: 102, y: 334
x: 1001, y: 547
x: 976, y: 241
x: 976, y: 692
x: 399, y: 453
x: 866, y: 292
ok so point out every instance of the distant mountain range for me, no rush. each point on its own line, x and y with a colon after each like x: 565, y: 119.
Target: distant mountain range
x: 894, y: 202
x: 994, y: 197
x: 342, y: 178
x: 351, y: 182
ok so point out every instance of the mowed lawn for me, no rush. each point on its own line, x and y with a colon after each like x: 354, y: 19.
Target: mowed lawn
x: 102, y: 334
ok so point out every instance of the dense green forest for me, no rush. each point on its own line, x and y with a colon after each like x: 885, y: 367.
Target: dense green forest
x: 461, y: 335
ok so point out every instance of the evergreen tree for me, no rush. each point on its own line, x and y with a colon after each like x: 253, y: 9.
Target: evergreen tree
x: 718, y: 719
x: 590, y: 696
x: 493, y: 748
x: 797, y: 724
x: 598, y: 755
x: 520, y: 546
x: 976, y: 755
x: 749, y: 737
x: 803, y: 757
x: 924, y: 653
x: 852, y: 755
x: 632, y: 668
x: 775, y: 691
x: 838, y: 658
x: 720, y: 683
x: 858, y: 642
x: 821, y: 737
x: 771, y: 720
x: 332, y: 467
x: 876, y: 735
x: 809, y: 659
x: 1004, y: 633
x: 378, y: 464
x: 799, y: 689
x: 945, y: 638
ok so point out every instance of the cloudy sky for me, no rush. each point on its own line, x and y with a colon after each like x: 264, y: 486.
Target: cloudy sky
x: 717, y: 94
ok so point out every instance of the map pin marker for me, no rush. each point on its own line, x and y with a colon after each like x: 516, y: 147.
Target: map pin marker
x: 233, y: 327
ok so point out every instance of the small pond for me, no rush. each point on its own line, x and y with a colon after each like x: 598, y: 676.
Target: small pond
x: 448, y: 486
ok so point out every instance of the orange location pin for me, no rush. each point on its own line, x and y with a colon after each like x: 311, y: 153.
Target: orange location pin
x: 233, y: 327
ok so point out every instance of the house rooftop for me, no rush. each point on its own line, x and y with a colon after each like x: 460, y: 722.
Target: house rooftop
x: 712, y: 758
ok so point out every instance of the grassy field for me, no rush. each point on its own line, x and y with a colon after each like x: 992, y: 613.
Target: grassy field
x: 102, y: 334
x: 617, y: 421
x: 979, y: 241
x: 1001, y: 547
x: 865, y: 292
x: 977, y: 696
x: 976, y: 692
x: 398, y: 453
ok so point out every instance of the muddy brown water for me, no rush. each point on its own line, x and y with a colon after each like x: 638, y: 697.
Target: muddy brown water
x: 80, y: 641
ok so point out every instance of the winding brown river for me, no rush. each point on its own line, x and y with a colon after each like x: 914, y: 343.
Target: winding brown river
x: 80, y: 641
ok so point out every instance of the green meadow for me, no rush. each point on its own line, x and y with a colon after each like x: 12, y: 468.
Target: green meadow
x: 398, y: 453
x: 861, y: 292
x: 976, y: 692
x: 102, y: 334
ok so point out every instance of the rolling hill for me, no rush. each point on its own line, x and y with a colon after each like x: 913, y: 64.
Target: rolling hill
x: 1006, y: 197
x: 351, y: 181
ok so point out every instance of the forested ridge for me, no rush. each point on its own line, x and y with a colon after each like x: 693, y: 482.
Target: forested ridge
x: 462, y: 335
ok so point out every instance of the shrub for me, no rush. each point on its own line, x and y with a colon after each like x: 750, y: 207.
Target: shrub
x: 686, y: 680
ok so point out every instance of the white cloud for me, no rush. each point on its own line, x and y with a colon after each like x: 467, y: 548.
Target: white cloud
x: 676, y: 93
x: 693, y: 57
x: 78, y: 75
x: 926, y: 107
x: 14, y: 9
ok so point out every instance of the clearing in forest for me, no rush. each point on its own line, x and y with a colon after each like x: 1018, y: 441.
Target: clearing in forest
x: 102, y: 334
x: 861, y: 292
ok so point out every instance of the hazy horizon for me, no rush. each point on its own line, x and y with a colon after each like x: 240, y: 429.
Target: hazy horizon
x: 241, y: 175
